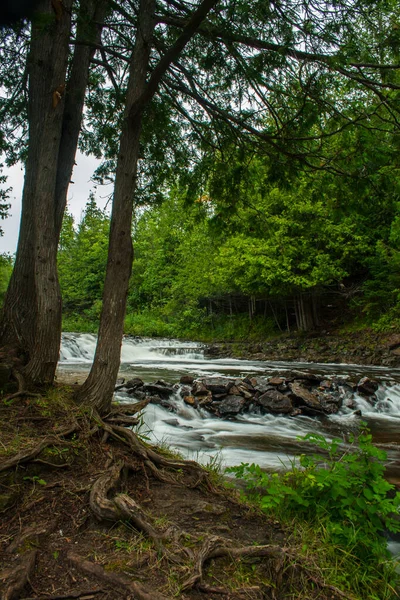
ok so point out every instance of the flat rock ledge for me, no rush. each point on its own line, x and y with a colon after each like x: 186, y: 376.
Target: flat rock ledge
x: 294, y: 394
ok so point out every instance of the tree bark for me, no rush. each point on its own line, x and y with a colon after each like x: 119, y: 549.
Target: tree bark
x: 97, y: 391
x: 32, y: 310
x: 91, y: 14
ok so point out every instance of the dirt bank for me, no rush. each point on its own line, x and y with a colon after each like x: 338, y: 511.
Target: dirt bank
x: 362, y: 347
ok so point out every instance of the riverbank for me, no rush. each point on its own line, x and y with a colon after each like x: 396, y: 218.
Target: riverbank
x: 364, y: 347
x: 85, y: 516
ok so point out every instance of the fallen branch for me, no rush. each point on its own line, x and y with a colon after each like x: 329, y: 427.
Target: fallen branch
x: 114, y: 579
x: 16, y: 577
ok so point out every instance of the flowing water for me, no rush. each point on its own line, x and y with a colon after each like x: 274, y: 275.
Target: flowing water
x: 268, y: 440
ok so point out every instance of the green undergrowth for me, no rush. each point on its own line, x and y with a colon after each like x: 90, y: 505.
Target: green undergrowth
x: 340, y: 509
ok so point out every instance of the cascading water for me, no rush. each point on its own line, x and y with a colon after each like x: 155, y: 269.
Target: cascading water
x: 269, y: 440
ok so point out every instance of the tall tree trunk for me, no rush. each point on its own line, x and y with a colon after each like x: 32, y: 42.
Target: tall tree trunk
x: 32, y: 309
x: 99, y: 386
x: 32, y: 317
x: 97, y: 391
x: 89, y: 28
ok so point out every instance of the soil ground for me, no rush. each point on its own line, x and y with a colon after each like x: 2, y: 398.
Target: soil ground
x: 53, y: 544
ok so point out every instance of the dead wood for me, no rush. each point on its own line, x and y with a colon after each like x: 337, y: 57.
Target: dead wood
x: 16, y: 577
x: 120, y: 581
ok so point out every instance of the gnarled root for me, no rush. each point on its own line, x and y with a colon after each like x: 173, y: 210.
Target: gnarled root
x: 114, y: 579
x: 153, y: 460
x: 27, y: 455
x: 214, y: 547
x: 121, y: 507
x: 16, y: 577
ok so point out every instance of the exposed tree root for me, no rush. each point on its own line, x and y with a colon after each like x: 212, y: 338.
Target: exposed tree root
x: 215, y: 547
x: 113, y: 579
x: 16, y: 578
x: 31, y: 535
x: 86, y: 594
x: 121, y: 507
x: 25, y: 456
x: 21, y: 391
x: 153, y: 460
x: 128, y: 409
x: 28, y: 455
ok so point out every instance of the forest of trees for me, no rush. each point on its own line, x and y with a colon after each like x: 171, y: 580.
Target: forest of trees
x: 242, y: 263
x: 253, y: 145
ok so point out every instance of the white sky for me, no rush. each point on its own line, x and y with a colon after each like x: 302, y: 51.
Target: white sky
x: 78, y: 194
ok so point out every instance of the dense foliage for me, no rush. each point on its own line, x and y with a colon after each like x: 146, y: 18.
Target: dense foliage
x: 249, y: 253
x: 343, y: 494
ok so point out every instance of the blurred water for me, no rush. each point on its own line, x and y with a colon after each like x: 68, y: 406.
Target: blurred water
x: 269, y: 440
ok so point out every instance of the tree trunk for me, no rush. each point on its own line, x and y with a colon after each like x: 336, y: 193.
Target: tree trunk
x: 304, y: 313
x: 91, y: 14
x: 32, y: 310
x: 97, y: 391
x: 32, y: 317
x: 98, y: 388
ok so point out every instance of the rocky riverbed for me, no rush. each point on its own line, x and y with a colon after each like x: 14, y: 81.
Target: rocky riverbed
x: 291, y: 394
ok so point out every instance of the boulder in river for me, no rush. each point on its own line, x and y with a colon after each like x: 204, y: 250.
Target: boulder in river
x: 367, y: 386
x: 275, y: 402
x: 231, y: 405
x: 161, y: 389
x: 303, y: 397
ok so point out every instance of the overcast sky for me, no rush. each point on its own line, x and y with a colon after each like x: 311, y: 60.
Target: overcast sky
x: 78, y: 194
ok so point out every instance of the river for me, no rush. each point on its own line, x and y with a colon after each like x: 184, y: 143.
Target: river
x: 268, y: 440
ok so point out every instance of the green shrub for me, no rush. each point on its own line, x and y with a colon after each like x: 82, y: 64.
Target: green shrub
x: 346, y: 496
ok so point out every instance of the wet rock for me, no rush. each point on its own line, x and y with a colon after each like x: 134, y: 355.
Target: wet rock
x: 330, y: 404
x: 186, y: 379
x: 367, y: 386
x: 231, y: 405
x: 138, y: 393
x: 302, y: 395
x: 275, y: 402
x: 277, y: 381
x: 173, y: 422
x: 190, y: 400
x: 205, y: 400
x: 326, y: 384
x: 135, y: 383
x: 261, y: 384
x: 159, y: 388
x: 199, y: 389
x: 217, y: 385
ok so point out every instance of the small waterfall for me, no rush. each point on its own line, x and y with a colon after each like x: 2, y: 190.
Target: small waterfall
x: 269, y: 440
